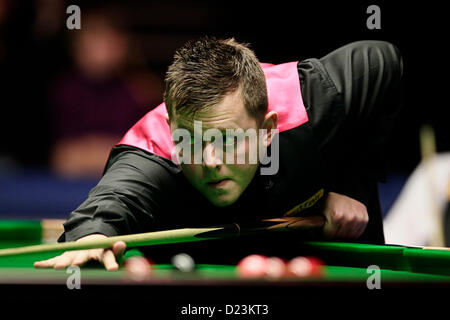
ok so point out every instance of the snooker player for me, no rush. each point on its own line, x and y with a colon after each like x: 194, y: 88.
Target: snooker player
x: 321, y: 123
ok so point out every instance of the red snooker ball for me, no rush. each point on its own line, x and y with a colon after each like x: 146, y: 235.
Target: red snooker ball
x: 305, y: 267
x: 138, y: 268
x: 317, y: 265
x: 275, y: 267
x: 252, y: 266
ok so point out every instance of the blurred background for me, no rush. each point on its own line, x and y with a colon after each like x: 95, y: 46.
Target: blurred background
x: 67, y: 96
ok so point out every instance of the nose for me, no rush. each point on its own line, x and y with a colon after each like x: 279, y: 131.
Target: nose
x: 212, y: 158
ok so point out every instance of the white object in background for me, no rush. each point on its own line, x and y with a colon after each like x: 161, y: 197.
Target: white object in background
x: 409, y: 222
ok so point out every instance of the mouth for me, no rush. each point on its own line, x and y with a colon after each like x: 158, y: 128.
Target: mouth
x: 220, y: 183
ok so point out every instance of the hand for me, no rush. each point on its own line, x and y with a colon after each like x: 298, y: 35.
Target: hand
x: 108, y: 257
x: 346, y: 217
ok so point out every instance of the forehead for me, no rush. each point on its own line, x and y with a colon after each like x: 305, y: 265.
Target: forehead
x: 230, y: 113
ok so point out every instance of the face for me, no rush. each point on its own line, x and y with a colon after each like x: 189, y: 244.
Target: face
x: 100, y: 52
x: 221, y: 183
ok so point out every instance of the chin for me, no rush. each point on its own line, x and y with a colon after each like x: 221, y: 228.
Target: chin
x: 223, y: 201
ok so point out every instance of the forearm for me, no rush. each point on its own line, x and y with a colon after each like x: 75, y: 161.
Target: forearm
x: 109, y: 213
x: 126, y: 200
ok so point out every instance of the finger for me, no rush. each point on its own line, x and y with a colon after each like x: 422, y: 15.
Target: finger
x: 49, y: 263
x: 119, y: 248
x: 351, y: 229
x: 64, y: 260
x: 326, y: 229
x: 357, y: 227
x: 96, y: 254
x: 81, y: 258
x: 340, y: 232
x: 361, y: 229
x: 346, y: 230
x: 332, y: 226
x: 109, y: 261
x: 331, y: 229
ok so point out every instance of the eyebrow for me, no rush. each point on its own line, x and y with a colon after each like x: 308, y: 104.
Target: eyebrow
x: 220, y: 128
x: 224, y: 128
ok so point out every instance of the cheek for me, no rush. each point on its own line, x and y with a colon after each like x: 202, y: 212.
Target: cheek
x: 191, y: 171
x: 243, y: 173
x: 245, y: 153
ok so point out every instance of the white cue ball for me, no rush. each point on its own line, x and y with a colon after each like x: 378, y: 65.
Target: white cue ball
x: 183, y: 262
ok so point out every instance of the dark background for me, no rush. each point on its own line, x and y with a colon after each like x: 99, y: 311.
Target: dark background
x: 278, y: 31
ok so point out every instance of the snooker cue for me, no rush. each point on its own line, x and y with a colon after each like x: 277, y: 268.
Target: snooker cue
x: 177, y: 235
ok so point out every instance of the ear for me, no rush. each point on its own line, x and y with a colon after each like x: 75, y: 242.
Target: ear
x: 167, y: 119
x: 270, y: 124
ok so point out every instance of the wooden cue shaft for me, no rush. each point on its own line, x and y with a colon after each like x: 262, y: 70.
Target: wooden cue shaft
x: 132, y: 240
x: 177, y: 235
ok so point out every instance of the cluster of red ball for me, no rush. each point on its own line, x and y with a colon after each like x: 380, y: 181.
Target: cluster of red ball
x: 255, y: 265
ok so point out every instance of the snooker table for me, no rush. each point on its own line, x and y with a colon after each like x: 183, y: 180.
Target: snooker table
x: 404, y: 272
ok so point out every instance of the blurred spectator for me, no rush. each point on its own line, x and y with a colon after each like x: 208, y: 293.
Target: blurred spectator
x: 96, y: 102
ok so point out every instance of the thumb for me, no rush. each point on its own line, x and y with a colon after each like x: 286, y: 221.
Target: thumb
x: 327, y: 229
x: 330, y: 229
